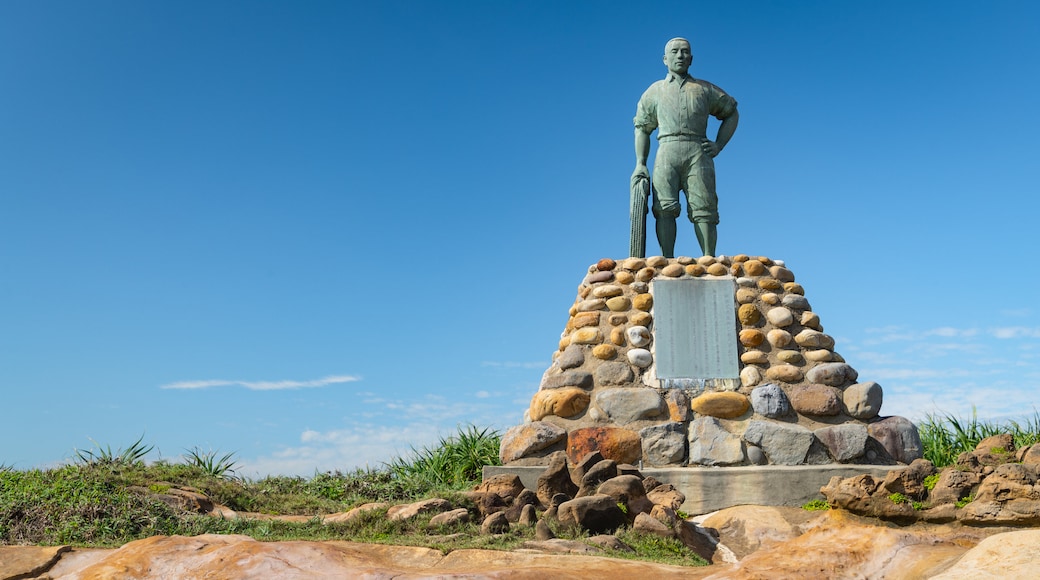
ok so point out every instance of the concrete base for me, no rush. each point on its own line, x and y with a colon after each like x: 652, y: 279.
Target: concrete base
x: 708, y: 489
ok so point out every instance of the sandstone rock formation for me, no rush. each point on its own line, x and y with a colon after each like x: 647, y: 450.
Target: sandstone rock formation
x: 993, y: 485
x: 796, y: 400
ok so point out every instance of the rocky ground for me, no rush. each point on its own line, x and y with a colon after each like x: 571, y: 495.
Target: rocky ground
x: 754, y: 542
x: 974, y: 519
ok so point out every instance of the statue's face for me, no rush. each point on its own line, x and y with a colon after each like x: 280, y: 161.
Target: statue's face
x: 677, y: 57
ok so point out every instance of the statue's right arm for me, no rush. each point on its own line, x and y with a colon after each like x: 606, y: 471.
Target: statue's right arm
x: 642, y: 151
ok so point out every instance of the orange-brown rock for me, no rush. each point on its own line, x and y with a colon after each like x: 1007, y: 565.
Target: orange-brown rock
x: 751, y: 337
x: 646, y: 274
x: 717, y: 269
x: 815, y: 400
x: 695, y: 270
x: 237, y: 557
x: 583, y: 319
x: 748, y: 314
x: 587, y: 336
x: 605, y: 264
x: 724, y: 405
x: 604, y: 351
x: 620, y: 445
x: 794, y: 288
x: 770, y: 284
x: 563, y: 402
x: 624, y: 277
x: 754, y: 268
x: 643, y: 302
x: 641, y: 319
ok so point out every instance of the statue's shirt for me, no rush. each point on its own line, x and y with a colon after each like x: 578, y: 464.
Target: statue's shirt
x: 678, y: 107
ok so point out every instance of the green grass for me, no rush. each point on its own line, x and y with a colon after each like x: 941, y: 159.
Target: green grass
x: 816, y: 505
x: 453, y: 463
x: 944, y: 436
x: 93, y: 502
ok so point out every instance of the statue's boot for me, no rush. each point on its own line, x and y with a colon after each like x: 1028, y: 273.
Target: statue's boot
x: 666, y: 236
x: 706, y: 236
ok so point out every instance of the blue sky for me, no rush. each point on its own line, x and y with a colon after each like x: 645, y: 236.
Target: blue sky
x: 319, y: 233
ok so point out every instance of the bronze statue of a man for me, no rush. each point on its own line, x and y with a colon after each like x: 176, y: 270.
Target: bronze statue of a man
x: 678, y: 107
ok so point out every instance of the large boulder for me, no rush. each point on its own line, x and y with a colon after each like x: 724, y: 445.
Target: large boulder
x: 599, y: 514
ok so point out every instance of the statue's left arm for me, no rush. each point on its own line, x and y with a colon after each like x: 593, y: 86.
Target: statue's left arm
x: 726, y: 130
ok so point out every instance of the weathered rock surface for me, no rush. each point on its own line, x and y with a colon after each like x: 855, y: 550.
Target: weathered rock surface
x: 233, y: 557
x: 711, y: 444
x: 528, y: 438
x: 782, y: 443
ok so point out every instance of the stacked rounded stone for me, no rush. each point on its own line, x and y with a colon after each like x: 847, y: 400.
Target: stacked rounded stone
x: 797, y: 401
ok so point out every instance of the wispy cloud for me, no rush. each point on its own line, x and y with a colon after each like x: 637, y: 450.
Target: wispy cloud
x: 262, y: 385
x: 1015, y: 332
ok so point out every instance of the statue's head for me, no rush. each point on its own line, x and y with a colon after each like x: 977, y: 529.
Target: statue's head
x: 677, y: 55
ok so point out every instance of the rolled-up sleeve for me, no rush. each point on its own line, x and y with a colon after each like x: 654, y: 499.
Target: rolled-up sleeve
x: 722, y: 105
x: 646, y: 112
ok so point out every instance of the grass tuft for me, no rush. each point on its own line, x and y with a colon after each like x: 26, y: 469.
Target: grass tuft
x: 944, y: 436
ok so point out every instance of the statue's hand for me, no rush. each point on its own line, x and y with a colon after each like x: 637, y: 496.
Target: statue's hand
x: 710, y: 148
x: 641, y: 172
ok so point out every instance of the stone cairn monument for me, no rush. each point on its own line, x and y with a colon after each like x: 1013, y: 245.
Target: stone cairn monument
x: 711, y: 361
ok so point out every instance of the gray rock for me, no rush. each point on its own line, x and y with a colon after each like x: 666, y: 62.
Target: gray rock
x: 613, y: 373
x: 711, y: 444
x: 899, y: 437
x: 460, y: 515
x: 585, y: 464
x: 783, y: 444
x: 664, y: 444
x: 844, y: 442
x: 572, y: 357
x: 796, y: 301
x: 863, y: 400
x: 542, y: 531
x: 770, y: 401
x: 528, y: 517
x: 755, y: 455
x: 555, y: 479
x: 834, y: 374
x: 599, y: 514
x: 567, y: 379
x: 600, y: 276
x: 495, y: 523
x: 626, y: 405
x: 648, y: 525
x: 596, y: 475
x: 627, y: 489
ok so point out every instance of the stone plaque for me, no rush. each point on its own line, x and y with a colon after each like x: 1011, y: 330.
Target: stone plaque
x: 695, y: 330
